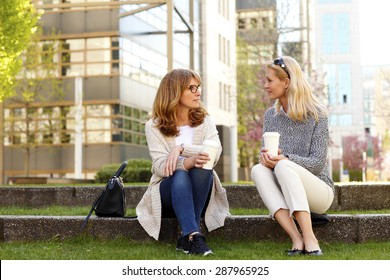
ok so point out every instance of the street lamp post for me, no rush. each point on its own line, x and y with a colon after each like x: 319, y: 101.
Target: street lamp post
x: 78, y: 137
x: 364, y: 166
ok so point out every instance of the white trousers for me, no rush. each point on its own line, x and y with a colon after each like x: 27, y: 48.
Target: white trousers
x: 291, y: 187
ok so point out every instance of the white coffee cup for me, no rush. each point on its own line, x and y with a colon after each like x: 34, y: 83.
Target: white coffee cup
x: 210, y: 147
x: 271, y: 142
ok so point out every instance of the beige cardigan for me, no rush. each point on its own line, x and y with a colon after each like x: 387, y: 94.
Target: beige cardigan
x: 149, y: 208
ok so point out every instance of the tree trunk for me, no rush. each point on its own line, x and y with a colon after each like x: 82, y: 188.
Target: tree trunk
x: 27, y: 162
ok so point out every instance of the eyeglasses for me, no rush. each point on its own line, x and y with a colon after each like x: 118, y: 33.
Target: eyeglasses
x: 279, y: 61
x: 194, y: 88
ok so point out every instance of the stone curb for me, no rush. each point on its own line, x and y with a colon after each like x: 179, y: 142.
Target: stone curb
x: 341, y: 228
x: 351, y: 196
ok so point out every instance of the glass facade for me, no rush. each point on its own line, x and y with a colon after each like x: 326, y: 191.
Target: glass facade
x: 336, y: 34
x: 56, y: 125
x: 120, y: 50
x: 90, y: 57
x: 145, y: 41
x: 339, y: 83
x: 86, y: 57
x: 344, y: 120
x: 345, y: 83
x: 139, y: 54
x: 141, y: 63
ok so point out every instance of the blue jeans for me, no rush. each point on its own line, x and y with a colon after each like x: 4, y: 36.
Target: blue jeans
x: 184, y: 195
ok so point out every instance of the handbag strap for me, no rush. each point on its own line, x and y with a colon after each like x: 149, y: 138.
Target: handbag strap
x: 90, y: 212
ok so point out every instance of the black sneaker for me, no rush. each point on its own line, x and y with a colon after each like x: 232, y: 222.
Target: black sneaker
x: 183, y: 244
x: 198, y: 245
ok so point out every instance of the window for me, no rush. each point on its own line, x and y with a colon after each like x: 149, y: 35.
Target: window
x: 142, y: 64
x: 345, y: 82
x: 241, y: 23
x: 336, y: 33
x: 115, y: 53
x: 339, y: 83
x: 345, y: 120
x: 266, y: 22
x: 102, y: 123
x: 341, y: 120
x: 65, y: 59
x: 90, y: 56
x: 254, y: 23
x: 224, y: 96
x: 223, y: 8
x: 343, y: 33
x: 47, y: 53
x: 223, y: 50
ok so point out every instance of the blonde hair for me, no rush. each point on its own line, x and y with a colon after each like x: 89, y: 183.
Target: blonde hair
x: 302, y: 103
x: 167, y: 100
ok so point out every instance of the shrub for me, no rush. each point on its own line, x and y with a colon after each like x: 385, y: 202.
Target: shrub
x: 106, y: 172
x: 137, y: 170
x: 355, y: 175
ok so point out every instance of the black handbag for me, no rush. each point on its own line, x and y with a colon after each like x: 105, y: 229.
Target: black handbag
x: 319, y: 219
x: 112, y: 201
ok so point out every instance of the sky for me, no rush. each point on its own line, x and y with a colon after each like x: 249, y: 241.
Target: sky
x: 375, y: 33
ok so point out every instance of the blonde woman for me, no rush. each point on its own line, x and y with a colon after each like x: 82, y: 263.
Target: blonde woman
x: 179, y: 186
x: 296, y: 181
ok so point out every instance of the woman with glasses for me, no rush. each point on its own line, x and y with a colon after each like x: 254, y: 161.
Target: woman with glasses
x: 296, y: 182
x: 179, y: 186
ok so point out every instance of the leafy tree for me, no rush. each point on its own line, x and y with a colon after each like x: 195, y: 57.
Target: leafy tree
x: 18, y: 21
x: 382, y: 105
x: 252, y: 102
x: 255, y: 47
x: 38, y: 81
x: 354, y: 147
x: 386, y: 141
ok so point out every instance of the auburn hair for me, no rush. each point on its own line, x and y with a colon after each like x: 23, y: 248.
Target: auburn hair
x: 167, y: 100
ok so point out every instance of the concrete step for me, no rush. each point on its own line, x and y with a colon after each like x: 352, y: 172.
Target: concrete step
x: 341, y: 228
x: 349, y: 196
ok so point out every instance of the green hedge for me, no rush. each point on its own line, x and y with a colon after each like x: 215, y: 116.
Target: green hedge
x: 137, y: 170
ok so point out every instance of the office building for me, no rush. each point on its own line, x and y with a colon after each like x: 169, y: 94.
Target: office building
x: 115, y: 53
x: 338, y: 53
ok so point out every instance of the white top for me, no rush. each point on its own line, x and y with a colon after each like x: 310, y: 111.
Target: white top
x: 186, y: 135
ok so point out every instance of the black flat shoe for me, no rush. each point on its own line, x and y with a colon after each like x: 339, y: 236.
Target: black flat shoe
x: 294, y: 252
x: 313, y: 253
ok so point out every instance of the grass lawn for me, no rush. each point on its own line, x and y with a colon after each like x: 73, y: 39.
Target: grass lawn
x: 83, y: 211
x: 88, y: 248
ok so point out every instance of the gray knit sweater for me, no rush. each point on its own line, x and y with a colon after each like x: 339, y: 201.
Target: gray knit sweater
x: 304, y: 142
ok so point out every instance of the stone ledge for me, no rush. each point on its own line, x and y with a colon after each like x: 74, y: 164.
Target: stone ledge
x: 341, y: 228
x: 352, y: 196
